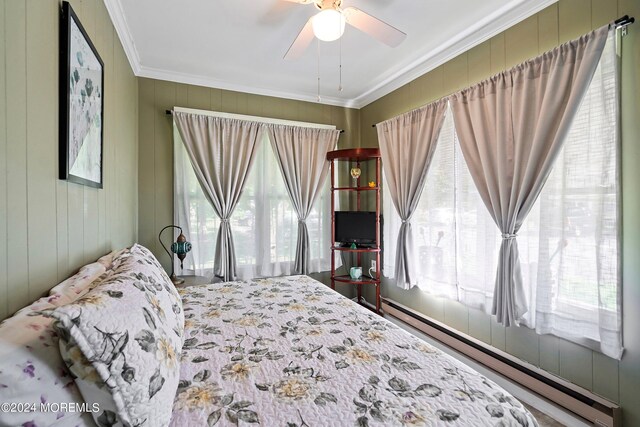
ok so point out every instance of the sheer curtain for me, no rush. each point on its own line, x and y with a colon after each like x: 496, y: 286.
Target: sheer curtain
x: 264, y: 222
x: 573, y: 238
x: 511, y: 128
x: 434, y: 238
x: 221, y: 151
x: 301, y: 154
x: 569, y: 243
x: 407, y: 144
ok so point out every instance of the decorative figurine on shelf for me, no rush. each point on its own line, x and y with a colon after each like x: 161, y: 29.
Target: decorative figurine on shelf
x: 355, y: 273
x: 355, y: 174
x: 372, y: 184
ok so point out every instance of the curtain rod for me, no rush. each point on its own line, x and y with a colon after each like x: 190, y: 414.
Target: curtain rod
x: 624, y: 21
x: 619, y: 23
x: 170, y: 113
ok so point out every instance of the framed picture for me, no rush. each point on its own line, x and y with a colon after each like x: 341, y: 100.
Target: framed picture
x: 81, y: 103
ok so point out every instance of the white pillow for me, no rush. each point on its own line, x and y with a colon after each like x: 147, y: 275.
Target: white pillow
x: 32, y: 371
x: 127, y: 330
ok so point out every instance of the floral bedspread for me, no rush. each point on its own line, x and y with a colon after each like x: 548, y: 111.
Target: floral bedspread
x: 292, y: 352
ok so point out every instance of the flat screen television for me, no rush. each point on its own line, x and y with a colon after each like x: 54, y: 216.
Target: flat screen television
x: 355, y: 227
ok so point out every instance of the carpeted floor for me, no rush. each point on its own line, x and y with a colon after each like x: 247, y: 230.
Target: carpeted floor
x: 543, y: 419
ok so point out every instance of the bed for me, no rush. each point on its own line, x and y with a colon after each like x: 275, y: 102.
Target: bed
x: 292, y: 352
x: 117, y: 345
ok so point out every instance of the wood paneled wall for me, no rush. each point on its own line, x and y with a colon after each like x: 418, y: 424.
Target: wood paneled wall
x: 568, y: 19
x: 156, y: 139
x: 48, y: 227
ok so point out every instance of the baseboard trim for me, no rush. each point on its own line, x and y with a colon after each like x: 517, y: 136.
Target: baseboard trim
x: 578, y: 400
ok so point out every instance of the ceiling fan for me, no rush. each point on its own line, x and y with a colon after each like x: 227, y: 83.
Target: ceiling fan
x: 328, y: 25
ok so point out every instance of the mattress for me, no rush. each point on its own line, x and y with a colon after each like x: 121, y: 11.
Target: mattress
x: 290, y: 352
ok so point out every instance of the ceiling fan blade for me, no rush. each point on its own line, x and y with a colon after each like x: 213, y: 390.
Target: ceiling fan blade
x: 374, y: 27
x: 301, y: 43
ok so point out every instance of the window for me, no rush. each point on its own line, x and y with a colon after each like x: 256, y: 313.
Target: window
x: 569, y: 243
x: 264, y: 223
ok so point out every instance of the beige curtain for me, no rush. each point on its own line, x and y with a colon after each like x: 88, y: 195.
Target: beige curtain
x: 407, y: 143
x: 302, y: 156
x: 221, y: 151
x: 511, y: 129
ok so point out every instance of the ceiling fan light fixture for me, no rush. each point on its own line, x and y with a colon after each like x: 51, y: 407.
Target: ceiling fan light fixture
x: 328, y: 25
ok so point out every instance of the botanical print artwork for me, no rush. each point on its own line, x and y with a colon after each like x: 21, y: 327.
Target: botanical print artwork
x: 291, y: 352
x: 85, y: 109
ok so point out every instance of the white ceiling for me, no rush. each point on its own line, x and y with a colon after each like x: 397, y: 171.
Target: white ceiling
x: 240, y: 44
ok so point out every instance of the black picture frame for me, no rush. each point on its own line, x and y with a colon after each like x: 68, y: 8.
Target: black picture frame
x: 81, y: 104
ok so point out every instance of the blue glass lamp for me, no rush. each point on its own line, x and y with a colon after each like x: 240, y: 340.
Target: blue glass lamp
x: 180, y: 248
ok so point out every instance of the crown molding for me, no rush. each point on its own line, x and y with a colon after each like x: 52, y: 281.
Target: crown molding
x: 193, y: 79
x: 114, y: 7
x: 495, y: 23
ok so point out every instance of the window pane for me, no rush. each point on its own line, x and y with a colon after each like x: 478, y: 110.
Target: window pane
x: 264, y: 223
x: 568, y: 245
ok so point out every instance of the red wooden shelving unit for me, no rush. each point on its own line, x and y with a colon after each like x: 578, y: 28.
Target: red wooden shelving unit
x: 356, y: 155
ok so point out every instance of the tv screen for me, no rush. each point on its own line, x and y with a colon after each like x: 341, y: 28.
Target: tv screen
x: 355, y: 227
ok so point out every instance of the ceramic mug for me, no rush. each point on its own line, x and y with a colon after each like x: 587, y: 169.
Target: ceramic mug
x: 355, y: 273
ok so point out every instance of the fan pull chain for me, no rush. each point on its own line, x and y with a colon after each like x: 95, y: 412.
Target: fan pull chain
x: 319, y: 99
x: 340, y: 84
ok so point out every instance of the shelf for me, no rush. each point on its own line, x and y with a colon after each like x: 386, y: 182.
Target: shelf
x: 348, y: 249
x: 365, y: 280
x: 354, y: 154
x: 355, y: 188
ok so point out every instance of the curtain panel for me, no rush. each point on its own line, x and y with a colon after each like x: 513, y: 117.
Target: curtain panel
x: 568, y: 246
x: 301, y: 153
x: 511, y: 128
x: 407, y: 144
x: 221, y: 151
x: 264, y: 222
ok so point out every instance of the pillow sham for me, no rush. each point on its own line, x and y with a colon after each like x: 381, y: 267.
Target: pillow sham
x: 32, y: 371
x: 122, y: 341
x: 72, y: 288
x: 80, y: 283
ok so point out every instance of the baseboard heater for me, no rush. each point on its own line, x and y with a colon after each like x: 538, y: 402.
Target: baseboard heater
x: 578, y: 400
